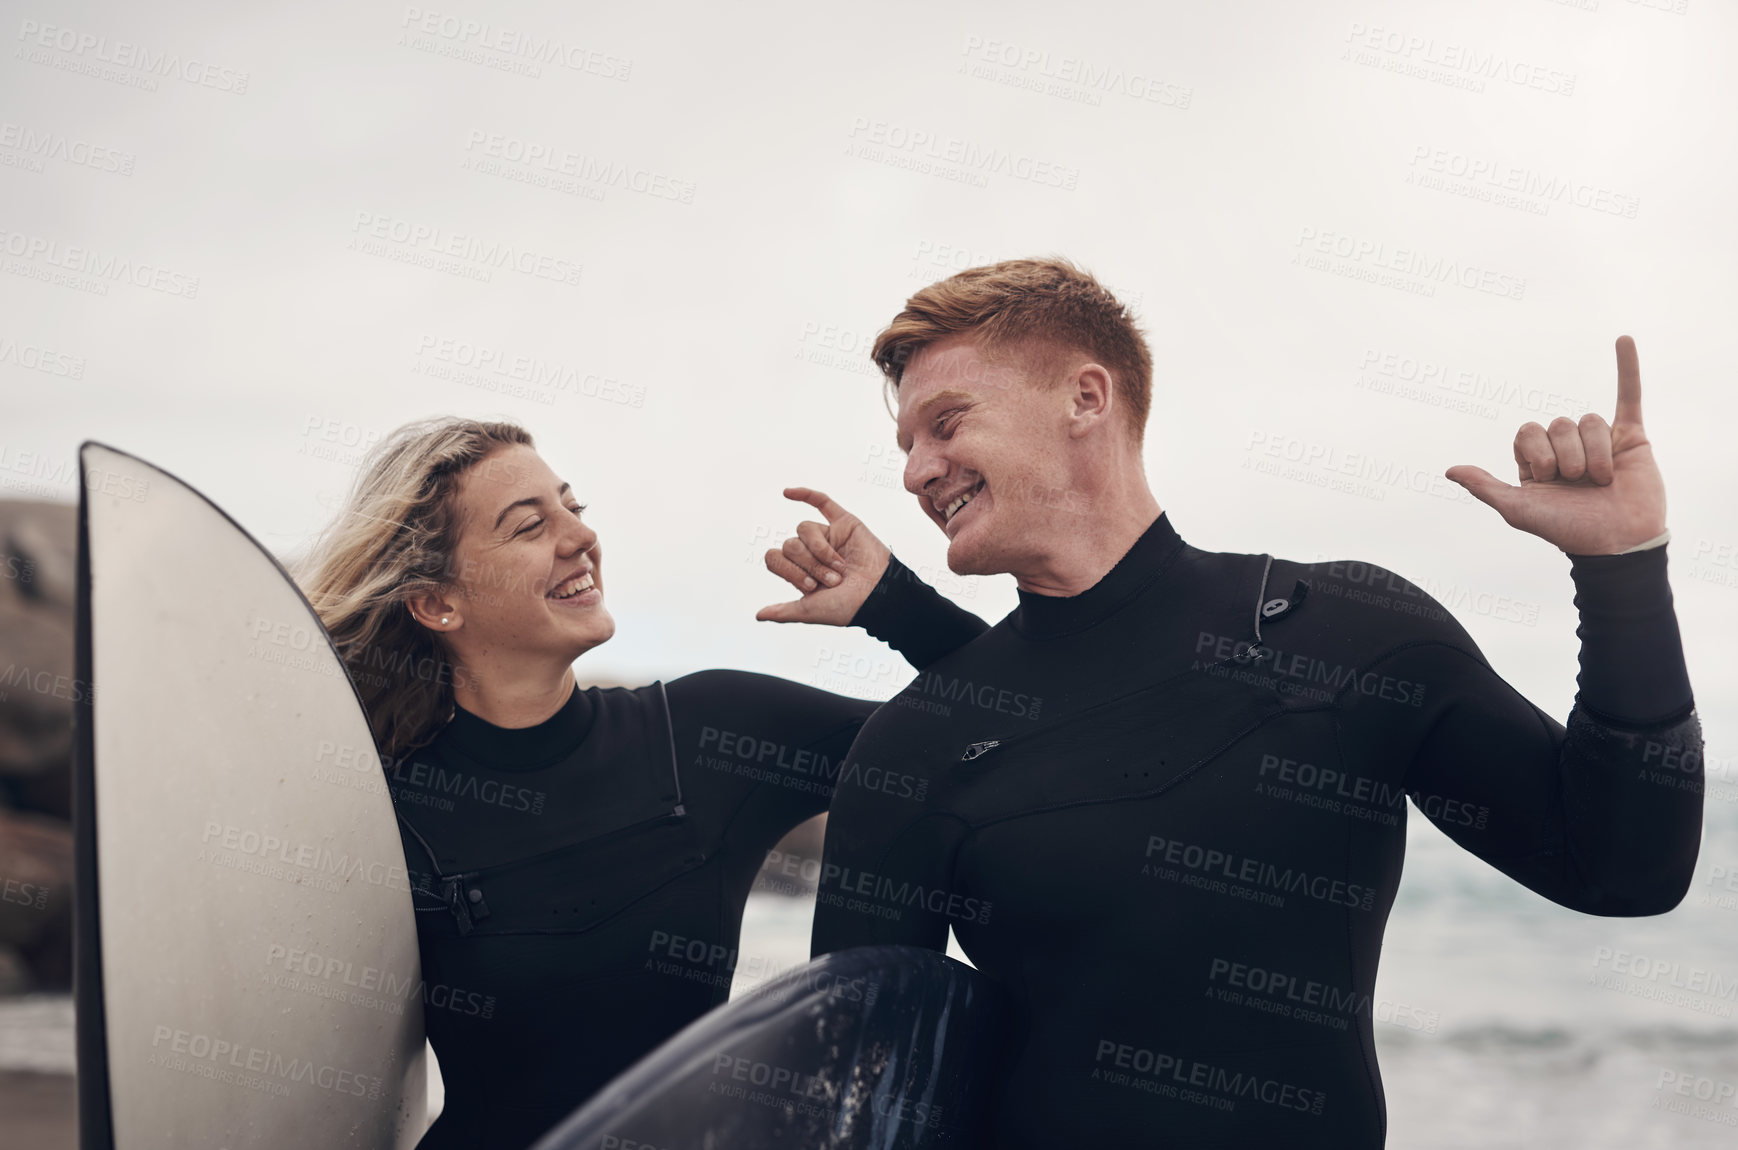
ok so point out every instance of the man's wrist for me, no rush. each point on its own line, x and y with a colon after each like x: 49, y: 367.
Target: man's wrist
x: 1657, y: 541
x: 869, y: 611
x: 1628, y: 585
x: 1632, y: 660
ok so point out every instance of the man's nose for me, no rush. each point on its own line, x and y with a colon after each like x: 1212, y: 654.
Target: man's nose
x: 923, y: 466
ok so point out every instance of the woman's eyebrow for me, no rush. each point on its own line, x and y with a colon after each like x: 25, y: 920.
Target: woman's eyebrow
x: 528, y: 501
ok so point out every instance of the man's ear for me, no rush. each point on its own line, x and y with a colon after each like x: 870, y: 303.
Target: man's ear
x: 1092, y: 398
x: 435, y: 610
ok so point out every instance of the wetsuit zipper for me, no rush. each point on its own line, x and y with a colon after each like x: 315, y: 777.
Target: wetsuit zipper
x: 980, y: 749
x: 1244, y: 653
x: 465, y: 901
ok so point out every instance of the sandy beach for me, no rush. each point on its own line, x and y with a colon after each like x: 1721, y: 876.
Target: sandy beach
x: 38, y: 1111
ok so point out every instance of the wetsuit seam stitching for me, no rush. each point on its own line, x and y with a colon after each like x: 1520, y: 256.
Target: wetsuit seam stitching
x: 1174, y: 781
x: 1409, y: 644
x: 1673, y: 719
x: 737, y: 813
x: 619, y: 911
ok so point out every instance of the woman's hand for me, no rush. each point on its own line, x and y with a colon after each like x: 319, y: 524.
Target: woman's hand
x: 835, y: 565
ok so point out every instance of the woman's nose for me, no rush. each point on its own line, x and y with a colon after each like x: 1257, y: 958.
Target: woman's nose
x: 580, y: 536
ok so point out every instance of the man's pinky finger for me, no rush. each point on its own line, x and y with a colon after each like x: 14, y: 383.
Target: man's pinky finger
x: 779, y: 564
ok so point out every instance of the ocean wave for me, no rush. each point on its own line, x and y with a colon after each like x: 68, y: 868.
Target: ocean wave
x: 1499, y: 1038
x: 36, y: 1034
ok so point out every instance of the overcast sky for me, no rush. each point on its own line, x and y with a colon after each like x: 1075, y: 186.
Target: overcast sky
x: 243, y: 241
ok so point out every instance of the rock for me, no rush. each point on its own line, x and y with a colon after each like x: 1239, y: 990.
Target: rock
x: 45, y: 537
x: 793, y: 867
x: 38, y: 569
x: 15, y: 976
x: 36, y: 886
x: 38, y: 1110
x: 38, y: 565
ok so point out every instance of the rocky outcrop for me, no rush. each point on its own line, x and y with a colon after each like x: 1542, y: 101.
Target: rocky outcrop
x: 38, y: 556
x: 36, y: 878
x: 38, y: 568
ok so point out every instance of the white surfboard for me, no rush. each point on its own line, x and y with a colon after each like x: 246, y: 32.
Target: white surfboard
x: 246, y: 970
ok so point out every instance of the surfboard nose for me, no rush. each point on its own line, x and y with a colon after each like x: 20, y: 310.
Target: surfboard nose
x: 242, y: 900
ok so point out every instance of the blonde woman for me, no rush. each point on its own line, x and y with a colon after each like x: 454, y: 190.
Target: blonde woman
x: 580, y: 857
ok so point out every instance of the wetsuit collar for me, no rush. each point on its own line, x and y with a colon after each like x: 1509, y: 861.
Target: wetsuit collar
x: 1050, y: 616
x: 522, y: 748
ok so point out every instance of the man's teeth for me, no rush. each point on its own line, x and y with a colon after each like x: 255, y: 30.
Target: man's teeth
x: 952, y: 509
x: 572, y: 587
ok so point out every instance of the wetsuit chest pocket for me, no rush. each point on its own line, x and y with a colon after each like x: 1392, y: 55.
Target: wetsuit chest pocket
x: 579, y: 886
x: 1134, y: 745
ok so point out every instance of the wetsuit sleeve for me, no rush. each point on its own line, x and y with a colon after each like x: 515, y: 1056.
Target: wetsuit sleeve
x: 792, y: 739
x: 1604, y: 815
x: 886, y: 868
x: 914, y: 618
x: 786, y: 741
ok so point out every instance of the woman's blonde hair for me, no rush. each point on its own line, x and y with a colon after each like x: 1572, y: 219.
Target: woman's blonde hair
x: 394, y: 538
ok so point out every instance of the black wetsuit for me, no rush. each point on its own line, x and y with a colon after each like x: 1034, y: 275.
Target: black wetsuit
x: 1179, y: 858
x: 591, y: 870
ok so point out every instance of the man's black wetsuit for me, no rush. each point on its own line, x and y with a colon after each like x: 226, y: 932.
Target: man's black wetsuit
x: 1180, y: 864
x: 592, y: 869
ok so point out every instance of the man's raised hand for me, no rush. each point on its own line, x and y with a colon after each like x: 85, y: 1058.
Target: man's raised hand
x: 1589, y: 487
x: 834, y: 565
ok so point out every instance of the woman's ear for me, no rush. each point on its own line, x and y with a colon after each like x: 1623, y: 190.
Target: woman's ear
x: 434, y: 610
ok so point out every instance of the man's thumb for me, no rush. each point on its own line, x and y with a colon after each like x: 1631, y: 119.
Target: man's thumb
x: 781, y: 612
x: 1484, y: 487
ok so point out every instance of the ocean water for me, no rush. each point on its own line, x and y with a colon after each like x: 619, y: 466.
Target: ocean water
x: 1503, y: 1020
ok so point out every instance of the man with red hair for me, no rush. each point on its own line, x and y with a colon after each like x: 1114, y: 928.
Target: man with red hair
x: 1164, y: 798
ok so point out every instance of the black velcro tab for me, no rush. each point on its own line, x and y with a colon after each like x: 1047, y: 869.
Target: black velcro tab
x: 1280, y: 608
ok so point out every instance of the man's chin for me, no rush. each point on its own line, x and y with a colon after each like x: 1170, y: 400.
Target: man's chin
x: 965, y: 557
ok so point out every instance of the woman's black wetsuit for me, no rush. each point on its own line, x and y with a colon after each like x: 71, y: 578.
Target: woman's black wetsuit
x: 1179, y: 858
x: 590, y: 871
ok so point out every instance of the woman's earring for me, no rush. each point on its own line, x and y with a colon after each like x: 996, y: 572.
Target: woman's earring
x: 445, y: 620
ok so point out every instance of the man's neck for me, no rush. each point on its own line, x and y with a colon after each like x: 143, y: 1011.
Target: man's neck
x: 1087, y: 553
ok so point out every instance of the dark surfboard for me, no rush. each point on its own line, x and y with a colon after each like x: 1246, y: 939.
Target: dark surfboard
x: 245, y: 958
x: 885, y: 1047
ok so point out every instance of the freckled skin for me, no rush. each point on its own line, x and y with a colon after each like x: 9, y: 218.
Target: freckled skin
x: 1055, y: 457
x: 1128, y: 799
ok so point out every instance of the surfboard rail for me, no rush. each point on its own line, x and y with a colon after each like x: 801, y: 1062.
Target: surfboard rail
x: 872, y: 1048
